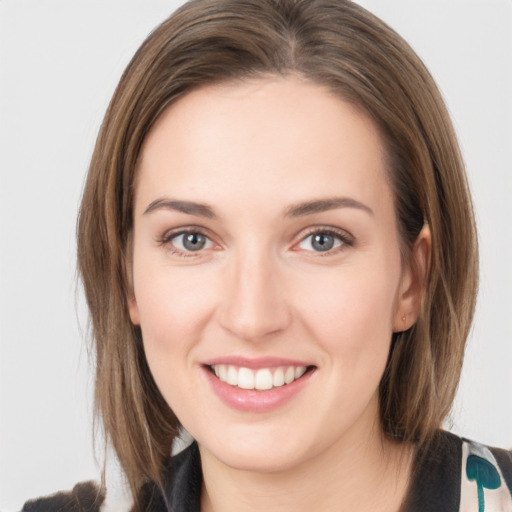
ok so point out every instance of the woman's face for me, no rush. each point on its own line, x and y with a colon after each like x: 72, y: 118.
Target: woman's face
x: 267, y: 275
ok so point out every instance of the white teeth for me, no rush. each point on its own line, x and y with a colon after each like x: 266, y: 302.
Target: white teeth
x: 232, y: 376
x: 245, y: 378
x: 220, y: 371
x: 289, y: 376
x: 300, y: 371
x: 262, y: 379
x: 278, y: 378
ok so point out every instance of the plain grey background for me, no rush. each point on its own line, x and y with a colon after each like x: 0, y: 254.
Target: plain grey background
x: 59, y: 64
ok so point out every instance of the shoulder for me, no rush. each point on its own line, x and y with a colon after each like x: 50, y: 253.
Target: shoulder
x: 486, y: 476
x: 453, y: 473
x: 84, y: 497
x: 183, y: 480
x: 503, y: 459
x: 182, y: 491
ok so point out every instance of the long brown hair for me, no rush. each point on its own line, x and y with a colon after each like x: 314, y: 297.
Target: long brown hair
x: 335, y: 43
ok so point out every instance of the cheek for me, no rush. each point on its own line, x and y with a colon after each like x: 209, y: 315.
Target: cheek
x: 173, y: 309
x: 172, y: 305
x: 351, y: 313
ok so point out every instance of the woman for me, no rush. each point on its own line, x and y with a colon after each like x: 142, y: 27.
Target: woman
x: 278, y: 250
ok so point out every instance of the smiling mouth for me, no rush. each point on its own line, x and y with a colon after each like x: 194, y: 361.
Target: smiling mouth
x: 261, y: 379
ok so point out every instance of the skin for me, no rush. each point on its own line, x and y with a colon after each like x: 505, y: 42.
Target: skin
x: 252, y: 152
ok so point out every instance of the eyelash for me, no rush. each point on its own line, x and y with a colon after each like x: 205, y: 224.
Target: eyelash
x: 342, y: 236
x: 166, y: 239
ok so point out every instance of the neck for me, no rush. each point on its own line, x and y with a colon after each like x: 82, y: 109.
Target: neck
x: 359, y: 474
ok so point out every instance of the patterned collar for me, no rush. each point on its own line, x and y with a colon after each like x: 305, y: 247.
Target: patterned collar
x: 450, y: 475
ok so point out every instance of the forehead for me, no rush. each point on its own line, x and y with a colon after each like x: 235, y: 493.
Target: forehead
x: 254, y: 137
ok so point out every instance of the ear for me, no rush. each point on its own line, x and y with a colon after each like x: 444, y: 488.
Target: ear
x: 133, y: 309
x: 413, y: 282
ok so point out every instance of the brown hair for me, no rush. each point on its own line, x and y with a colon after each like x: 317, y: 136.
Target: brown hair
x: 335, y: 43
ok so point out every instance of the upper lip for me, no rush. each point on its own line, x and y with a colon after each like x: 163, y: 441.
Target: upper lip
x: 255, y: 363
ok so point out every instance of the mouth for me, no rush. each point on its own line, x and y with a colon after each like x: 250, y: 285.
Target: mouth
x: 260, y: 379
x: 257, y: 385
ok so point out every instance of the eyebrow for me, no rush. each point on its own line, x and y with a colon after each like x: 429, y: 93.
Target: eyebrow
x: 323, y: 205
x: 190, y: 207
x: 297, y: 210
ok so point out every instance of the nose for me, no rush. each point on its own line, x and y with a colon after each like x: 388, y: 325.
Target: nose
x: 254, y: 305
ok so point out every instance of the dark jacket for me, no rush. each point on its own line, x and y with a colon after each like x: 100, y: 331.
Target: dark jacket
x: 452, y: 472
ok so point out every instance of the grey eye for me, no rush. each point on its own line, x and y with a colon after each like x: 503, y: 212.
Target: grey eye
x: 321, y: 242
x: 190, y: 241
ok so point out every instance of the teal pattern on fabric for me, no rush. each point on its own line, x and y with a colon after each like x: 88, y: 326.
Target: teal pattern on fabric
x: 484, y: 474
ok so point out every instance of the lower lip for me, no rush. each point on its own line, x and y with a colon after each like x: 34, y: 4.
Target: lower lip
x: 251, y: 400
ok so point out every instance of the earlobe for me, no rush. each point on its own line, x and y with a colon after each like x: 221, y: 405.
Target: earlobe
x: 414, y: 281
x: 133, y: 308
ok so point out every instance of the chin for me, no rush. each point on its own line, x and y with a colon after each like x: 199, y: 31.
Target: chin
x: 259, y: 450
x: 255, y: 458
